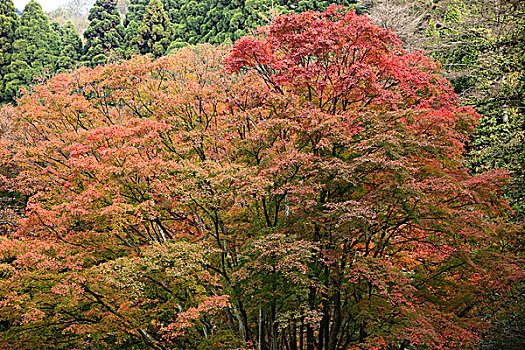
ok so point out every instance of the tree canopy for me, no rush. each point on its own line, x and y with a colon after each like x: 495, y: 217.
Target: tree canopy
x: 308, y: 191
x: 154, y: 32
x: 8, y: 25
x: 34, y: 50
x: 226, y: 21
x: 71, y: 48
x: 104, y: 34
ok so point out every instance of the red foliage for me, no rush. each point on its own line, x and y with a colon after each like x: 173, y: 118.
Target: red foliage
x: 313, y: 197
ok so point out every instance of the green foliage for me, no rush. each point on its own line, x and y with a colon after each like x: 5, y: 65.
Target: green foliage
x: 226, y: 21
x: 104, y: 35
x: 508, y: 328
x: 71, y: 49
x: 58, y: 33
x: 155, y: 32
x: 482, y: 48
x: 8, y: 25
x: 34, y: 50
x: 136, y: 11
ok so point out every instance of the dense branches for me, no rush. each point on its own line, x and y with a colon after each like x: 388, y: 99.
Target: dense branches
x: 312, y: 195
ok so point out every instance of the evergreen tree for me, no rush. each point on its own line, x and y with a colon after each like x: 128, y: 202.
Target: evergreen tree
x: 217, y: 21
x: 55, y: 43
x: 55, y: 26
x: 155, y: 32
x: 8, y: 25
x: 71, y: 48
x: 104, y: 34
x: 34, y: 50
x: 228, y: 20
x: 191, y: 25
x: 136, y: 11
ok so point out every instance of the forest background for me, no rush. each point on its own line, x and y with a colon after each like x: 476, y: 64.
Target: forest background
x: 114, y: 172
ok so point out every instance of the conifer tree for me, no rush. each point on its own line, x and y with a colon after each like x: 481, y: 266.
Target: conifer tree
x: 224, y: 20
x: 71, y: 48
x: 104, y: 34
x: 34, y: 50
x: 136, y: 11
x: 57, y: 28
x: 55, y: 39
x: 155, y: 32
x: 8, y: 25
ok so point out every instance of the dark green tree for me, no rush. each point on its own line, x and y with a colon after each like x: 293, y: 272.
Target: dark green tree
x: 55, y: 43
x: 217, y: 21
x: 226, y: 21
x: 34, y: 50
x: 189, y: 20
x: 136, y: 11
x: 104, y: 35
x: 71, y: 51
x: 155, y: 32
x: 8, y: 25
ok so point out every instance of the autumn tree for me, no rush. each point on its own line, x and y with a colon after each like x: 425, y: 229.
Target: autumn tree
x: 365, y: 213
x: 79, y: 297
x: 104, y: 35
x: 310, y: 193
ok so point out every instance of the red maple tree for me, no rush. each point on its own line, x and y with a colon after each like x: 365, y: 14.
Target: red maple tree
x: 311, y: 195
